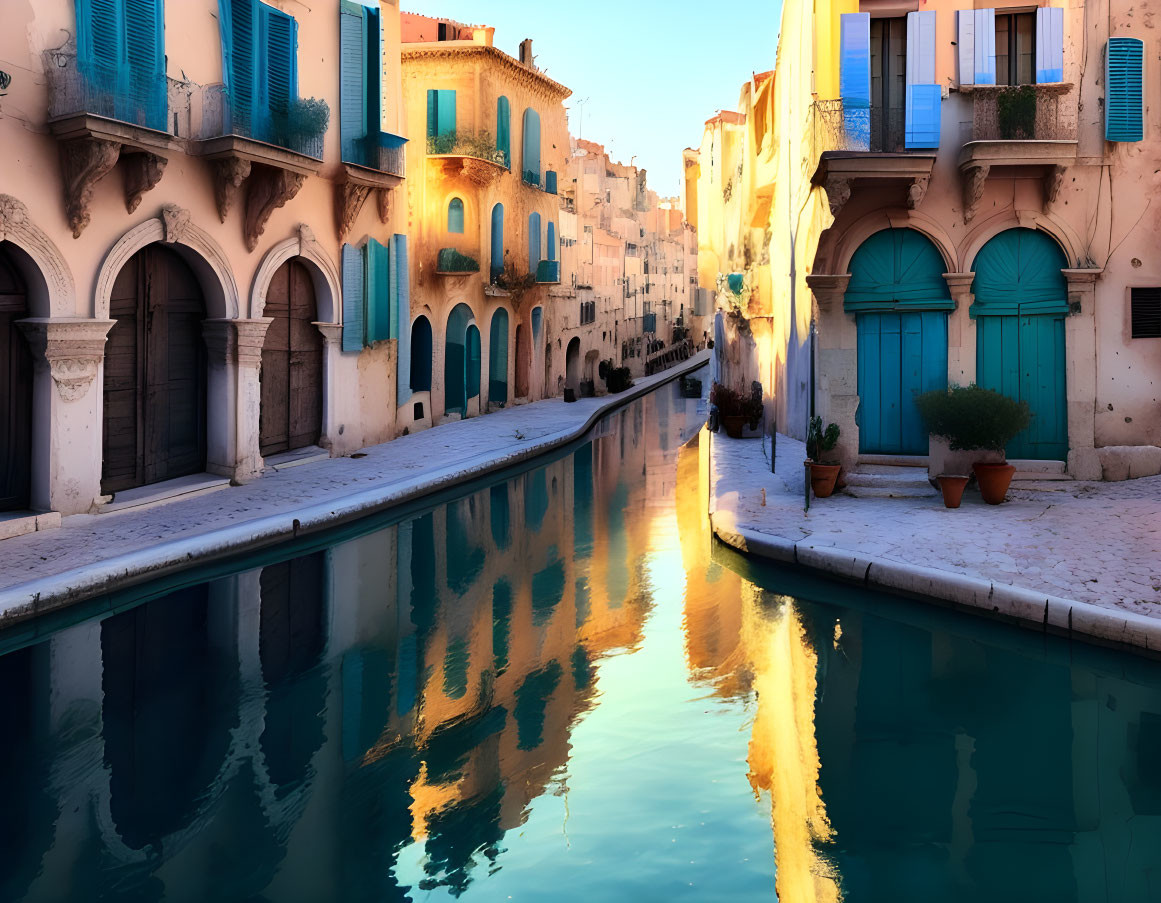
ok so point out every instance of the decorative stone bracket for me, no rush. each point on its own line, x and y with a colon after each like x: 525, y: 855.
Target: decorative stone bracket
x: 828, y: 289
x: 974, y: 179
x: 236, y: 341
x: 838, y: 192
x: 1053, y: 180
x: 355, y: 185
x: 72, y: 350
x: 960, y: 287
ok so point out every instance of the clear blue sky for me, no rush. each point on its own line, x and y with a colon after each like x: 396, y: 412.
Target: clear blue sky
x: 653, y: 71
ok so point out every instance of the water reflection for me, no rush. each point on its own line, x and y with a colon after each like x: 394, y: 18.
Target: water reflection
x: 556, y: 688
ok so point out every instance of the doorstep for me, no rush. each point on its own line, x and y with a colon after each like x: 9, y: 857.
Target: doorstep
x: 297, y: 457
x: 894, y: 460
x: 167, y: 491
x: 17, y: 523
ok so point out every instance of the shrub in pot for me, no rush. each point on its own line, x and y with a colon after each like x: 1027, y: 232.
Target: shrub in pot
x: 980, y: 421
x: 823, y: 476
x: 735, y: 409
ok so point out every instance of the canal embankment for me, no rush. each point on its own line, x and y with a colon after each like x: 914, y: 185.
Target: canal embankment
x: 1075, y: 558
x: 92, y: 555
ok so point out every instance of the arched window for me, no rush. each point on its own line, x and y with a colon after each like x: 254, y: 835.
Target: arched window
x: 504, y: 130
x: 531, y: 161
x: 551, y: 249
x: 533, y: 241
x: 497, y: 241
x: 421, y: 355
x: 455, y: 216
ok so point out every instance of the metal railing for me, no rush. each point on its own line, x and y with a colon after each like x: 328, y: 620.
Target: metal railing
x: 1024, y: 113
x: 301, y: 128
x: 115, y: 93
x: 463, y: 143
x: 382, y: 151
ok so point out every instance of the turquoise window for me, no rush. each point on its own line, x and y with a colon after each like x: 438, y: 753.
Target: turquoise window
x: 455, y: 216
x: 1124, y: 86
x: 504, y: 129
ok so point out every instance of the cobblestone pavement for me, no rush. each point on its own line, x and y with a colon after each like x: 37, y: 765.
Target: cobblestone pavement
x: 90, y: 553
x: 1098, y: 543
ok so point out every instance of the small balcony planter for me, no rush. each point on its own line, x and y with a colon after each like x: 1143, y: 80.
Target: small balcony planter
x: 454, y: 263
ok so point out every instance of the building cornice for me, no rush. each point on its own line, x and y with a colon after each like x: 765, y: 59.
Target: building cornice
x: 538, y: 81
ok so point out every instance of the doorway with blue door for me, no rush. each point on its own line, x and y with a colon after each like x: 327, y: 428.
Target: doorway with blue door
x: 900, y: 302
x: 1021, y: 301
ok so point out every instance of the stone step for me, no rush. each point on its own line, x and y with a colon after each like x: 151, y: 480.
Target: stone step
x: 890, y: 492
x: 890, y: 469
x: 914, y: 479
x: 1024, y: 465
x: 894, y: 460
x: 1026, y: 476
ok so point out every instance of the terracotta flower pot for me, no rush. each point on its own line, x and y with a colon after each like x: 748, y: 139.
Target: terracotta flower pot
x: 822, y: 478
x: 994, y: 480
x: 952, y: 485
x: 734, y: 423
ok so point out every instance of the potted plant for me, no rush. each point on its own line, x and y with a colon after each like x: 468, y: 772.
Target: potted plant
x: 823, y: 476
x: 729, y: 406
x: 979, y: 422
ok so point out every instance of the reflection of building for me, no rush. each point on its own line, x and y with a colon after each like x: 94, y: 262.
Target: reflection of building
x: 173, y: 298
x: 484, y: 215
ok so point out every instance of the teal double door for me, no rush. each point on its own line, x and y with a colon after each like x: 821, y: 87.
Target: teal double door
x: 1022, y: 357
x: 901, y: 354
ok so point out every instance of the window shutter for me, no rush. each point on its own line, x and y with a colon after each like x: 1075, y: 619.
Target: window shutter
x: 353, y: 299
x: 374, y: 72
x: 352, y: 84
x: 455, y: 216
x: 504, y: 130
x: 432, y: 123
x: 100, y: 30
x: 531, y: 147
x: 923, y: 94
x: 551, y: 241
x: 1049, y: 44
x: 1124, y: 82
x: 280, y: 58
x: 402, y: 301
x: 145, y: 53
x: 240, y: 58
x: 446, y: 111
x: 855, y: 78
x: 966, y: 45
x: 550, y: 182
x: 378, y: 292
x: 533, y: 241
x: 1145, y: 306
x: 985, y: 46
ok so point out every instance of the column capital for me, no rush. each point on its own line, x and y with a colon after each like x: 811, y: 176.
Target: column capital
x: 828, y: 288
x: 1082, y: 275
x: 960, y: 287
x: 72, y: 348
x: 332, y: 333
x: 236, y: 341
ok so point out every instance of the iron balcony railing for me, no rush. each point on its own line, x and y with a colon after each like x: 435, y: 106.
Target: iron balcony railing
x: 1024, y: 113
x: 119, y: 93
x: 382, y: 151
x: 546, y: 181
x: 300, y: 128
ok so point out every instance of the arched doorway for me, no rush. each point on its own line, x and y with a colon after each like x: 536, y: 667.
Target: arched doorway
x: 292, y: 359
x: 15, y: 389
x: 455, y: 361
x: 1021, y: 300
x: 421, y: 352
x: 900, y: 301
x: 498, y: 359
x: 572, y: 364
x: 154, y: 425
x: 523, y: 361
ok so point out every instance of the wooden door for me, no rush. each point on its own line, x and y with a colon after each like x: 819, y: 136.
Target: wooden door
x: 292, y: 356
x: 15, y: 391
x: 901, y: 354
x: 155, y: 374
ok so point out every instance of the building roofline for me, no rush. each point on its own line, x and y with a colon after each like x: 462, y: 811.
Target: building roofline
x: 429, y: 49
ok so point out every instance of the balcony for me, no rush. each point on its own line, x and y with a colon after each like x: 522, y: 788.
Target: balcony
x: 473, y: 155
x: 548, y: 272
x: 1029, y: 127
x: 372, y: 163
x: 546, y: 181
x: 381, y: 152
x: 843, y: 165
x: 452, y: 262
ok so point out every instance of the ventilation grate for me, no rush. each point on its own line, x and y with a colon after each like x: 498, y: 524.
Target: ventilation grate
x: 1145, y: 305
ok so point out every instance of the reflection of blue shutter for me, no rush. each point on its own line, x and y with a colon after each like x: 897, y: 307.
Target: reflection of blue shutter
x: 402, y: 275
x: 377, y: 292
x: 855, y: 78
x: 408, y: 666
x: 1049, y: 44
x: 923, y: 94
x: 985, y: 46
x: 1124, y: 105
x: 145, y: 53
x: 965, y: 35
x: 352, y: 87
x: 353, y: 299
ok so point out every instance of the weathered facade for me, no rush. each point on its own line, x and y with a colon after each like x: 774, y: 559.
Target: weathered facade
x: 171, y: 219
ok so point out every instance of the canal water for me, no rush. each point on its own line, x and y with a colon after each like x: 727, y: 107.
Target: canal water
x: 553, y: 687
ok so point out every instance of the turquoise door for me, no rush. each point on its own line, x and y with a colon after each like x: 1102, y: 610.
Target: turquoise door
x: 1021, y: 300
x: 901, y: 354
x: 1023, y: 357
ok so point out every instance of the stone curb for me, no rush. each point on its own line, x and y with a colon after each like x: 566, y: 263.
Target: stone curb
x: 31, y: 599
x: 1050, y: 614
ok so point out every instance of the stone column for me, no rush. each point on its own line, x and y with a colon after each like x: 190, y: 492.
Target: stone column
x: 234, y: 396
x: 1080, y: 354
x: 961, y: 331
x: 66, y: 412
x: 837, y: 364
x: 332, y: 334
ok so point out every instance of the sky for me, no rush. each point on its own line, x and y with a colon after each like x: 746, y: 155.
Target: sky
x: 652, y: 72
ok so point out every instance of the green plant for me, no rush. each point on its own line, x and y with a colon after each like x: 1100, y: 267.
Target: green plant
x: 305, y: 120
x: 452, y: 261
x: 1016, y: 113
x: 820, y: 441
x: 735, y: 403
x: 971, y: 417
x: 468, y: 144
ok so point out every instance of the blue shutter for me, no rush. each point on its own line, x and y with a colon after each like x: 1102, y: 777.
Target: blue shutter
x: 402, y: 274
x: 455, y: 216
x: 101, y: 55
x: 965, y: 35
x: 1124, y: 82
x: 441, y: 113
x: 985, y: 46
x: 923, y: 94
x: 1049, y: 44
x: 533, y: 241
x: 279, y: 65
x: 855, y: 78
x: 353, y: 299
x: 497, y: 254
x: 504, y: 130
x: 531, y: 159
x: 352, y: 84
x: 550, y: 182
x: 432, y: 122
x: 145, y: 55
x: 392, y: 290
x: 551, y: 255
x: 240, y: 60
x: 378, y: 292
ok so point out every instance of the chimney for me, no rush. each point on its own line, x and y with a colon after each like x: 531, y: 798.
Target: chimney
x: 526, y: 52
